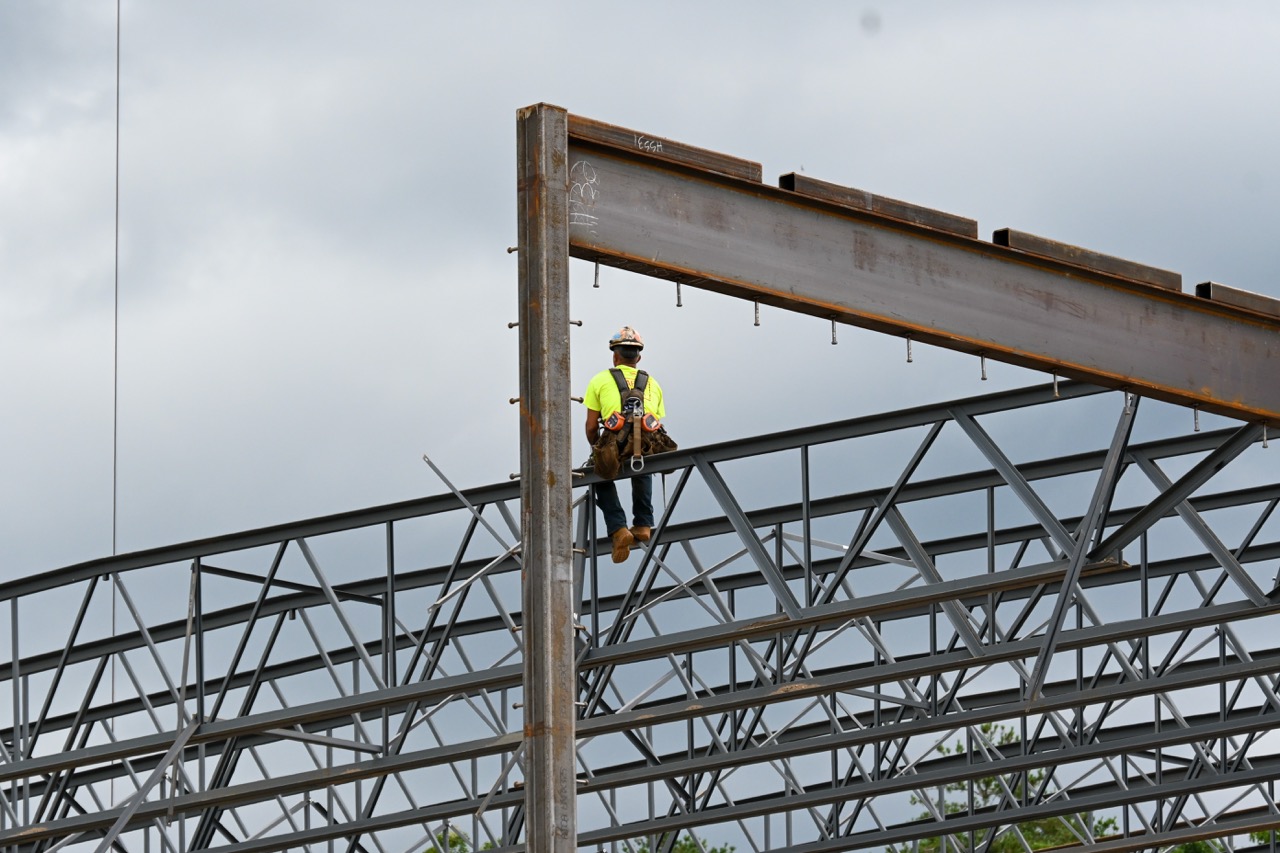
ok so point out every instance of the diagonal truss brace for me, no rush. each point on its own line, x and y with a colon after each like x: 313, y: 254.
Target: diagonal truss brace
x: 1177, y: 492
x: 768, y: 568
x: 1093, y: 520
x: 130, y: 808
x: 1211, y: 542
x: 1018, y: 483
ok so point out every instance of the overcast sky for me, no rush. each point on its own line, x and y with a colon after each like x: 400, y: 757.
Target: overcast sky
x: 315, y: 199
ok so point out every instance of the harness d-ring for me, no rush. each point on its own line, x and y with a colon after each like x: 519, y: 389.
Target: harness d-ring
x: 637, y: 463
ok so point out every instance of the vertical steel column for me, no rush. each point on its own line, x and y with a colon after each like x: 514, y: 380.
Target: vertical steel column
x: 546, y: 491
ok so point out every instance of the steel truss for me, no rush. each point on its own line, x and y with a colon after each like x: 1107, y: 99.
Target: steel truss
x: 818, y: 613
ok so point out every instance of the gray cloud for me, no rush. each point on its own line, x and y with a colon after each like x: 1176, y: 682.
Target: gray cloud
x: 316, y: 199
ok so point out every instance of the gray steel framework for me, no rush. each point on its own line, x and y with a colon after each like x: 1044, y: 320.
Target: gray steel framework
x: 670, y: 210
x: 1091, y: 616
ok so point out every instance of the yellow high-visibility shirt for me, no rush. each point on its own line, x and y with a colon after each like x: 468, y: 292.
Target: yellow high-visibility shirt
x: 602, y: 393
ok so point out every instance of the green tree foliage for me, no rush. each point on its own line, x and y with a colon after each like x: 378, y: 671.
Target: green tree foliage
x: 684, y: 844
x: 456, y: 842
x: 1064, y: 831
x: 450, y: 841
x: 989, y: 790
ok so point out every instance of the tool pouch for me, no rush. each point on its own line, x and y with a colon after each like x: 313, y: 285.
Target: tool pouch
x: 604, y: 456
x: 613, y: 447
x: 657, y: 441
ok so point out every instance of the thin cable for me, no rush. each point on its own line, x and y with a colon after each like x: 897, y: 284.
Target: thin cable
x: 115, y: 324
x: 115, y: 380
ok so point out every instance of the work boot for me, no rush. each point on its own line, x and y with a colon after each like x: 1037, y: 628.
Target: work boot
x: 641, y: 534
x: 622, y: 542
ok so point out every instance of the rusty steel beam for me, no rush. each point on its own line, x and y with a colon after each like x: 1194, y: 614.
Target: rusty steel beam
x: 1240, y: 298
x: 651, y: 205
x: 546, y: 482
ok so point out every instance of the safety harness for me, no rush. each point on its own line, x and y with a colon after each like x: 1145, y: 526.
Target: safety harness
x: 630, y: 425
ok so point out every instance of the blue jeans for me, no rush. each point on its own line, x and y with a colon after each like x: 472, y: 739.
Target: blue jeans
x: 641, y: 503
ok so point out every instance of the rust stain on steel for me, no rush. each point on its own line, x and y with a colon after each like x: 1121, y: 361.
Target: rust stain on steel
x: 768, y: 622
x: 862, y: 200
x: 1050, y: 301
x: 866, y: 252
x: 784, y: 689
x: 1144, y: 274
x: 535, y: 424
x: 536, y: 729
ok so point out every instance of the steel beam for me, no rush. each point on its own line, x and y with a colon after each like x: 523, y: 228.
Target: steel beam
x: 546, y: 488
x: 642, y: 205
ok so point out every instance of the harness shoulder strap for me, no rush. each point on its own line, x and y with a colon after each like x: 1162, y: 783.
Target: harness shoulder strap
x: 620, y: 379
x: 642, y: 379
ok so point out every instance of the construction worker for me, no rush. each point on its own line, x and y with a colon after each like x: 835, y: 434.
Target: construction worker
x: 604, y: 402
